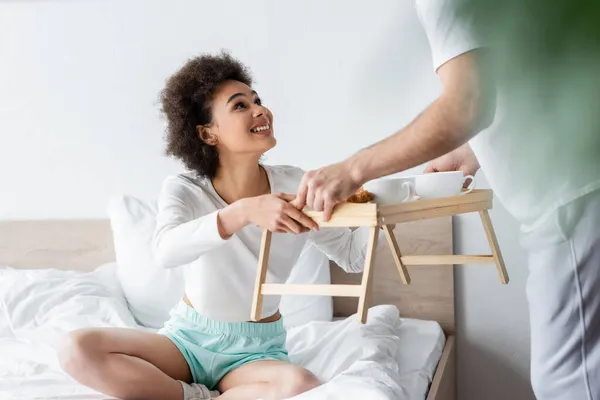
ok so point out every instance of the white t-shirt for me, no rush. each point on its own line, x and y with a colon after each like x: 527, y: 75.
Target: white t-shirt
x: 534, y: 162
x: 219, y: 281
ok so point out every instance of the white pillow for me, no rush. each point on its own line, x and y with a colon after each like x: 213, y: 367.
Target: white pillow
x: 43, y: 304
x: 152, y: 290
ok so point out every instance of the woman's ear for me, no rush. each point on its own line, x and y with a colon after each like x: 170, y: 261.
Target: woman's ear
x: 206, y: 136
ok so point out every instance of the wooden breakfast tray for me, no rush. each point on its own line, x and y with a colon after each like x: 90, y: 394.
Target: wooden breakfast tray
x: 384, y: 217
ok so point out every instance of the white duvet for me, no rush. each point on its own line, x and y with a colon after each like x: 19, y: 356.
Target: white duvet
x: 388, y: 358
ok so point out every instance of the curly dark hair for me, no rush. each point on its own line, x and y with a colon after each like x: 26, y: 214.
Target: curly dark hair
x: 186, y: 100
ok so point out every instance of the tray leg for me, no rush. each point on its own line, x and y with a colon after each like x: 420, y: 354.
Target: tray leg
x: 395, y: 249
x: 261, y: 274
x: 491, y: 236
x: 367, y: 278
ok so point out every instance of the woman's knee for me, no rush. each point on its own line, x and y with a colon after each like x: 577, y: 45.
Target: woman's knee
x: 295, y: 381
x: 78, y: 349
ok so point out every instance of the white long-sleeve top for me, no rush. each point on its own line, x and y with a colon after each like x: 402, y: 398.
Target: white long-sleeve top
x: 220, y: 273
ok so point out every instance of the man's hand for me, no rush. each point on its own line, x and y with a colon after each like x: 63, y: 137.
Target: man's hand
x: 465, y: 107
x: 322, y: 189
x: 462, y: 159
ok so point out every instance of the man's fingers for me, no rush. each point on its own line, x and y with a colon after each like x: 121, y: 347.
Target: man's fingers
x: 310, y: 199
x: 429, y: 168
x: 318, y: 203
x: 328, y: 210
x: 300, y: 201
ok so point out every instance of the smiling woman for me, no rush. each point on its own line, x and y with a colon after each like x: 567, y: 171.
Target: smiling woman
x: 186, y: 104
x: 211, y: 219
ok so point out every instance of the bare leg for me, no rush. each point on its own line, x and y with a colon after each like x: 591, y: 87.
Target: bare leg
x: 269, y: 380
x: 125, y: 363
x: 250, y: 391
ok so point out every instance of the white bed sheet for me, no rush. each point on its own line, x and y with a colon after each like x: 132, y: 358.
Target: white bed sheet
x: 388, y: 358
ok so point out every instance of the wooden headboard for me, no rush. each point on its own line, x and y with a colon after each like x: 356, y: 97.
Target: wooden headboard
x: 85, y: 244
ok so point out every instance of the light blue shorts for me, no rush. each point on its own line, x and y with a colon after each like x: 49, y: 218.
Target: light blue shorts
x: 214, y: 348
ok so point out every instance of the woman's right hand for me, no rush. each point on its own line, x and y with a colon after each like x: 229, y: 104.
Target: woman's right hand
x: 277, y: 213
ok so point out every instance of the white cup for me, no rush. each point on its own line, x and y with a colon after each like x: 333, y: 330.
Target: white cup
x: 392, y: 190
x: 442, y: 184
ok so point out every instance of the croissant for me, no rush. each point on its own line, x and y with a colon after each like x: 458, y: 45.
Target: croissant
x: 360, y: 196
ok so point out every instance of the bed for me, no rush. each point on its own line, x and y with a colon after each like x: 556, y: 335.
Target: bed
x: 59, y: 275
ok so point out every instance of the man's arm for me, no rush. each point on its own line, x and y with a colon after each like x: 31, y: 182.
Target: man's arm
x: 465, y: 107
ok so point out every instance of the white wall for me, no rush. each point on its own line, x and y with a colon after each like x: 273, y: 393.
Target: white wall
x: 79, y: 121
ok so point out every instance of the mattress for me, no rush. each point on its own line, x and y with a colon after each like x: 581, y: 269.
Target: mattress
x: 387, y: 358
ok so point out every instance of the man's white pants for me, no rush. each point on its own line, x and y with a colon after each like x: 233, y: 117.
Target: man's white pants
x: 563, y: 290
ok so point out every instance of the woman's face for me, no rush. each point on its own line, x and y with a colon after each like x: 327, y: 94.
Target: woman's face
x: 241, y: 124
